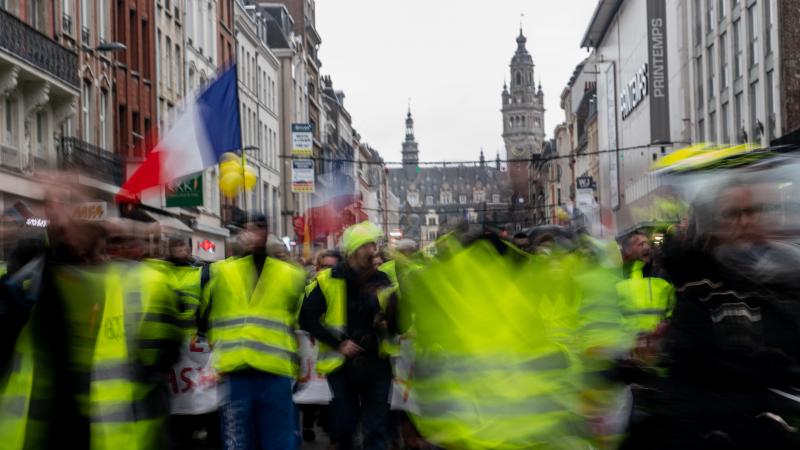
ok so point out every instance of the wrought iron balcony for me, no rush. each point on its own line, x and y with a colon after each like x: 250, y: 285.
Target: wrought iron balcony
x: 28, y: 44
x: 91, y: 160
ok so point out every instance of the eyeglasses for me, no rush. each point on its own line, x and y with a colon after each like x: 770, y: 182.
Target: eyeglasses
x: 749, y: 211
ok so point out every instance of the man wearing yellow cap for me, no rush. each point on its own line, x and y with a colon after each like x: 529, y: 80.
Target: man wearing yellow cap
x: 343, y: 313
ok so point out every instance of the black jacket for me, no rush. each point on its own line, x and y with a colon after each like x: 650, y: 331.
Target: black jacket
x: 363, y: 311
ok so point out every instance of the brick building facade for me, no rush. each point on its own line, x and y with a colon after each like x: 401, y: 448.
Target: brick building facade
x: 136, y: 92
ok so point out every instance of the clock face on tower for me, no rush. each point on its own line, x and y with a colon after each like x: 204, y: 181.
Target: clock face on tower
x: 518, y: 152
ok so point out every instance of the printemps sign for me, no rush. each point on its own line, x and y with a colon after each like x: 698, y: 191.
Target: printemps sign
x: 634, y: 92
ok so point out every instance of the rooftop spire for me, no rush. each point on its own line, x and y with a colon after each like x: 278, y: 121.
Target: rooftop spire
x: 410, y: 146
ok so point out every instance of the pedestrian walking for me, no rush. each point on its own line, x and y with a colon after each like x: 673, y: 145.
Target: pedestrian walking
x: 343, y: 313
x: 251, y: 307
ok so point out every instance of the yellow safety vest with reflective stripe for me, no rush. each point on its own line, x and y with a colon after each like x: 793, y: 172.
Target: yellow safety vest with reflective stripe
x: 644, y: 301
x: 488, y: 374
x: 185, y: 281
x: 15, y: 397
x: 335, y: 319
x: 187, y: 285
x: 252, y: 319
x: 26, y: 388
x: 126, y: 411
x: 134, y: 318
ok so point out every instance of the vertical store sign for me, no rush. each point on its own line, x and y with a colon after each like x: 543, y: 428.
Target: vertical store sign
x: 302, y: 139
x: 303, y: 176
x: 659, y: 77
x: 611, y: 120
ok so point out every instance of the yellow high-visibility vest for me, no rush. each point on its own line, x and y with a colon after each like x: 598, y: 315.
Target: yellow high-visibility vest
x: 15, y: 397
x: 335, y: 319
x: 489, y: 373
x: 252, y: 319
x: 135, y: 318
x: 644, y: 301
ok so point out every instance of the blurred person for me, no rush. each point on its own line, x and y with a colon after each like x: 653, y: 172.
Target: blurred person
x: 313, y: 414
x: 327, y: 260
x: 277, y: 249
x: 343, y: 313
x: 378, y: 260
x: 41, y: 382
x: 90, y: 368
x: 250, y: 304
x: 521, y: 240
x: 188, y: 276
x: 731, y: 352
x: 139, y: 303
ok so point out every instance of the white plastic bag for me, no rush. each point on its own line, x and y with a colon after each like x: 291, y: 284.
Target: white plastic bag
x: 312, y: 387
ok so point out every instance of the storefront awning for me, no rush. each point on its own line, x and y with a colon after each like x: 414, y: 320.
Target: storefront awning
x: 169, y: 223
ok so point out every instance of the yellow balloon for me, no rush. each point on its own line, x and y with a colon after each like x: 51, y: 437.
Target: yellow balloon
x: 230, y: 167
x: 249, y: 179
x: 228, y: 156
x: 230, y: 183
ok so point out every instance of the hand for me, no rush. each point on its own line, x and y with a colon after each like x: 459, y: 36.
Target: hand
x: 349, y: 349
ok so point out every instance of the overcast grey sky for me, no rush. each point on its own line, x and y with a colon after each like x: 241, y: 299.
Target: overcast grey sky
x: 451, y: 57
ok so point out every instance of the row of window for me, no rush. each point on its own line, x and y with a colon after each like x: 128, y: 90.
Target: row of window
x: 170, y: 76
x: 738, y: 53
x: 11, y: 132
x: 90, y: 104
x: 259, y: 135
x: 716, y: 56
x: 446, y: 198
x: 741, y: 132
x: 522, y: 122
x: 200, y: 29
x: 257, y: 80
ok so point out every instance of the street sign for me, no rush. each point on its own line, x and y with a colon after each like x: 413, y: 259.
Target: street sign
x: 584, y: 195
x: 90, y: 211
x: 186, y: 192
x: 302, y: 139
x: 584, y: 182
x: 303, y: 176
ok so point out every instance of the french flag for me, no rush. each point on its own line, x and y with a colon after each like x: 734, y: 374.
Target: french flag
x: 208, y: 127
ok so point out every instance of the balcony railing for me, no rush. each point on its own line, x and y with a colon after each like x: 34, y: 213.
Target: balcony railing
x: 28, y: 44
x: 91, y: 160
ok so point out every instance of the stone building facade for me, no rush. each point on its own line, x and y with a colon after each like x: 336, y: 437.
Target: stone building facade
x: 435, y: 200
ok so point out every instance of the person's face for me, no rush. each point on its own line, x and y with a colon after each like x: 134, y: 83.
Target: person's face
x: 638, y: 249
x: 361, y: 259
x: 740, y: 215
x: 327, y: 262
x: 377, y: 261
x: 253, y: 238
x: 180, y: 251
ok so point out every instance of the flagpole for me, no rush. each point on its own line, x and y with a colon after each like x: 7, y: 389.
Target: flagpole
x: 244, y: 171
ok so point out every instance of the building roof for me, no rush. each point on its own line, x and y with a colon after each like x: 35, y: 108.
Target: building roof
x: 601, y: 19
x: 460, y: 180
